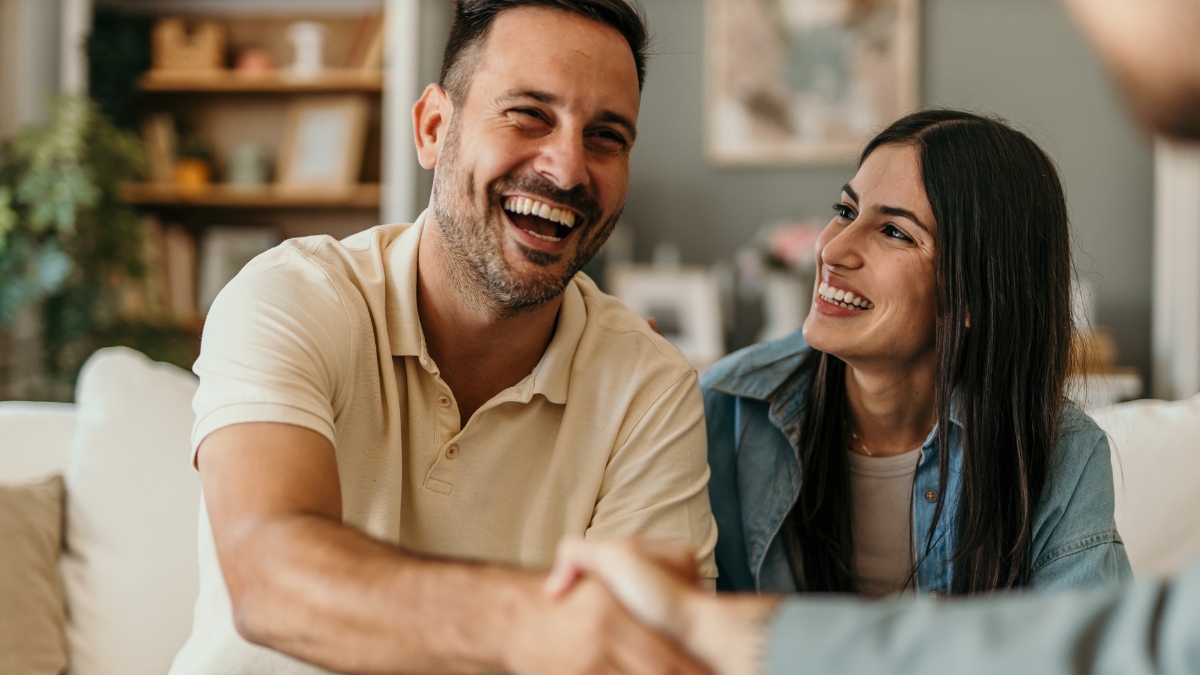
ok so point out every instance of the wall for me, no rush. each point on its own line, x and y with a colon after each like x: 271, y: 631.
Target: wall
x: 1021, y: 59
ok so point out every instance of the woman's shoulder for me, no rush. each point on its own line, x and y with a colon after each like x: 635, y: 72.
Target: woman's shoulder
x: 758, y: 370
x: 1078, y: 433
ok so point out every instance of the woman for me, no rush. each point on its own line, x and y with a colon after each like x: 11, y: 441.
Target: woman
x: 917, y: 437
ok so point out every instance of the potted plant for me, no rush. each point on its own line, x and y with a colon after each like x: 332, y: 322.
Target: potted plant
x: 67, y: 241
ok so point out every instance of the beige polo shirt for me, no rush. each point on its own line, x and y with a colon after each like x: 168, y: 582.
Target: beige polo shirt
x: 604, y: 438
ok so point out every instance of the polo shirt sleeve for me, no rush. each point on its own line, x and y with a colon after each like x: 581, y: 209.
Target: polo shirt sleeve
x: 656, y: 483
x: 276, y: 348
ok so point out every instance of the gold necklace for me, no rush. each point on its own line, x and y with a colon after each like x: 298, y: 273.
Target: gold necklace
x: 855, y: 439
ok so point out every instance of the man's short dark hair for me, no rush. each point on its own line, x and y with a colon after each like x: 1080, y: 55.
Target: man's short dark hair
x: 473, y: 19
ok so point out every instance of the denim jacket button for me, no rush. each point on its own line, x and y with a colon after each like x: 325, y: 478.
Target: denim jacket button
x: 936, y: 595
x: 931, y: 496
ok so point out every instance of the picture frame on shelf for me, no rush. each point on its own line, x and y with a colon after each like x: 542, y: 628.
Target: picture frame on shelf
x: 225, y: 250
x: 684, y: 302
x: 323, y: 143
x: 806, y: 82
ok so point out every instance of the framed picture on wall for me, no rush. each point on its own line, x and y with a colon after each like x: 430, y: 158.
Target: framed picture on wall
x: 323, y: 143
x: 794, y: 82
x: 684, y: 302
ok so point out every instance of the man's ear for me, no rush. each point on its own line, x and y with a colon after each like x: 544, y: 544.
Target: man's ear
x: 431, y: 121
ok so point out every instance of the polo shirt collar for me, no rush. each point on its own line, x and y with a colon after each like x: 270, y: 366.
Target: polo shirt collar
x: 552, y: 375
x: 403, y: 320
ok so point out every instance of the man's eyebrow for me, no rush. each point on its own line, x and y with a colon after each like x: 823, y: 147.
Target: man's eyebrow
x: 550, y: 99
x: 902, y: 213
x: 539, y: 96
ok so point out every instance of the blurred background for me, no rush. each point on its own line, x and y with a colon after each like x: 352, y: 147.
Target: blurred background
x: 154, y: 146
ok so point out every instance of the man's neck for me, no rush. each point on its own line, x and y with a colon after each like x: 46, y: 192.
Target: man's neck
x: 478, y: 350
x: 891, y: 409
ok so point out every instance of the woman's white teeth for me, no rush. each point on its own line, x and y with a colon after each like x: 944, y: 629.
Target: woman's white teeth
x: 526, y: 206
x: 842, y: 297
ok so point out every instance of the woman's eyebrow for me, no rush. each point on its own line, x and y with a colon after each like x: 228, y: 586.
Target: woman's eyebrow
x: 850, y: 191
x: 902, y: 213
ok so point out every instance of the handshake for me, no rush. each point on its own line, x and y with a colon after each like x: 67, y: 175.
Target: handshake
x: 657, y: 584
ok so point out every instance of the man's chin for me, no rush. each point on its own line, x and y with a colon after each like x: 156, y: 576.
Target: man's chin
x: 541, y: 259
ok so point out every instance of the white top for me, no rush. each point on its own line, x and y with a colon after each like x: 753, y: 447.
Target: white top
x: 604, y: 438
x: 881, y: 490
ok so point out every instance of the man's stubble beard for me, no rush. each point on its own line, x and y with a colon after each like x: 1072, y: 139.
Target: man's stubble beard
x: 474, y: 248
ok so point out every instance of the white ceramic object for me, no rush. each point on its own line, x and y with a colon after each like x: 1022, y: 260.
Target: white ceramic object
x: 308, y: 43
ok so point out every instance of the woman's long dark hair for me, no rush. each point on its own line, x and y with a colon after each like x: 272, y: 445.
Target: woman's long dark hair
x: 1003, y: 266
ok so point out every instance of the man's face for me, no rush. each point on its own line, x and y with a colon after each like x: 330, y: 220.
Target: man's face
x: 533, y: 172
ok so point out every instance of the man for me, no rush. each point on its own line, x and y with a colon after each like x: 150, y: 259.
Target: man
x: 379, y: 417
x: 1150, y: 627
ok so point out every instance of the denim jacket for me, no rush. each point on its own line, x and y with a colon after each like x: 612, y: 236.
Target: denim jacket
x: 754, y: 400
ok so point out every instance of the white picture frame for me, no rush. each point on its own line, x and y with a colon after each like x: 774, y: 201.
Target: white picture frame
x: 323, y: 143
x: 684, y: 302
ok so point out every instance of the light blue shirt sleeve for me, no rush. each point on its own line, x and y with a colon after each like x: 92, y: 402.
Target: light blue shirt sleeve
x: 1076, y: 544
x: 1150, y: 627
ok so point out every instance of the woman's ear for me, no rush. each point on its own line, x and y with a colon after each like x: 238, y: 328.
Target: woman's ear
x: 431, y: 121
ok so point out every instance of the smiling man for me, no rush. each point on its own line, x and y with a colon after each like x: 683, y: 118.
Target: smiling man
x: 389, y: 427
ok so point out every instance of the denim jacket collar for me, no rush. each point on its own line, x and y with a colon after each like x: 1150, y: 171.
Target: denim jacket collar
x: 770, y: 372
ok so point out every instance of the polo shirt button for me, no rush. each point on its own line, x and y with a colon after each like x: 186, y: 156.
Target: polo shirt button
x: 936, y: 595
x: 452, y: 452
x: 443, y: 400
x: 931, y: 496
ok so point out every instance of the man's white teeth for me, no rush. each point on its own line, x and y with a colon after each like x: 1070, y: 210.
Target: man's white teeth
x: 843, y: 298
x: 544, y: 237
x: 526, y: 206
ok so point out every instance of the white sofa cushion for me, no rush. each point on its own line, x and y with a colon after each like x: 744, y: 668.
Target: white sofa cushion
x: 35, y: 439
x: 1156, y: 467
x: 130, y: 568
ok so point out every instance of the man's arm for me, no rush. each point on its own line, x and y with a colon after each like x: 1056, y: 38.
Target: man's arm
x: 302, y: 583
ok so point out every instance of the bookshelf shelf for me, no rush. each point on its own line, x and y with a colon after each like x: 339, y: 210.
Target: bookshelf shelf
x: 362, y: 196
x: 229, y: 81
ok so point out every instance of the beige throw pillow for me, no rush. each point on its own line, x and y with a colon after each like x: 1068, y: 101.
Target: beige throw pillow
x: 32, y: 609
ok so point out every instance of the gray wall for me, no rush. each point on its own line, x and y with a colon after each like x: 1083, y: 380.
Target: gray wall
x: 1021, y: 59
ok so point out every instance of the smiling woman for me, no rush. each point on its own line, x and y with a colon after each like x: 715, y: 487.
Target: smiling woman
x: 916, y: 436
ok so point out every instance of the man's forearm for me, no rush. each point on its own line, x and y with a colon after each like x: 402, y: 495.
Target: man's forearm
x: 332, y: 596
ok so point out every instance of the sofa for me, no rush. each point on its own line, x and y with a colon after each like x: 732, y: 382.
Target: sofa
x: 127, y: 558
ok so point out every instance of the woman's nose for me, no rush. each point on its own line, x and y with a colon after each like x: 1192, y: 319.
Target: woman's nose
x: 840, y: 245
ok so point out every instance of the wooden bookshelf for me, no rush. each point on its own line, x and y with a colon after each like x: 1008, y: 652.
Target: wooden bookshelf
x: 282, y: 82
x: 361, y: 196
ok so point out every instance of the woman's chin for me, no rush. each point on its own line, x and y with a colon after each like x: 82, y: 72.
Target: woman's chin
x: 824, y: 338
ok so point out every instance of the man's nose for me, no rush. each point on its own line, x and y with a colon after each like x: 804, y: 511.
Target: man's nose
x: 562, y: 159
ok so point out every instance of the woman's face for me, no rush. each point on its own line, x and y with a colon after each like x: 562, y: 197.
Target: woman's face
x: 880, y: 248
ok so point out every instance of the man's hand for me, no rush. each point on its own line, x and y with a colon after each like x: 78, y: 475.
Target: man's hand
x: 653, y: 580
x: 585, y: 630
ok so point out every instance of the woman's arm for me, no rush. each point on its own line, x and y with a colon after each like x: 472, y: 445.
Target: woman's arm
x: 1076, y: 544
